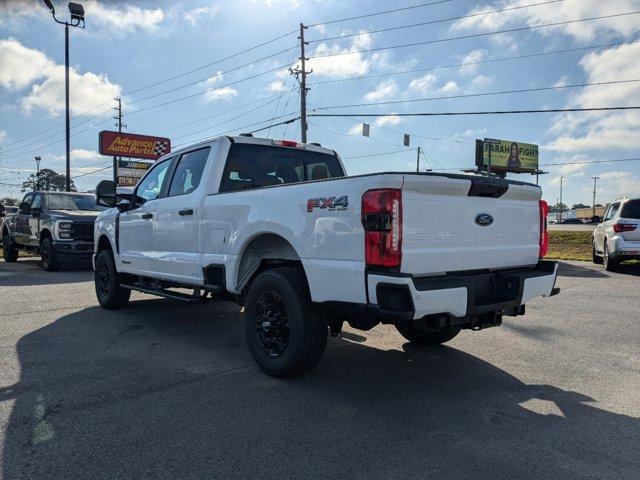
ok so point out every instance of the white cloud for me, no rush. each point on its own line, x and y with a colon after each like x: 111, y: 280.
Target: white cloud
x: 620, y: 183
x: 602, y: 130
x: 480, y: 82
x: 81, y: 154
x: 224, y: 93
x: 277, y: 86
x: 200, y: 13
x: 21, y: 67
x: 386, y: 89
x: 449, y: 87
x: 3, y: 135
x: 470, y: 59
x: 562, y: 81
x: 125, y: 19
x: 218, y: 93
x: 424, y: 84
x: 557, y: 12
x: 389, y: 120
x: 111, y: 17
x: 342, y: 63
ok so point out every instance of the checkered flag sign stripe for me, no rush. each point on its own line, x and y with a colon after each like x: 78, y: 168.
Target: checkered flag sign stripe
x: 161, y: 147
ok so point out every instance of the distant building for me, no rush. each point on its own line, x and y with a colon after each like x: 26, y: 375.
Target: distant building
x: 588, y: 212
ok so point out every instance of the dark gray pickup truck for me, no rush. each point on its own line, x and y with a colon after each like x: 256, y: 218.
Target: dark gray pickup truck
x: 57, y: 225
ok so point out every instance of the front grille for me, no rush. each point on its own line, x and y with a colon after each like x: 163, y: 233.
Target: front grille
x: 82, y: 232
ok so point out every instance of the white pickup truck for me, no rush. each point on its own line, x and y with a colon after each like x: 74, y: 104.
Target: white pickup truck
x: 277, y: 227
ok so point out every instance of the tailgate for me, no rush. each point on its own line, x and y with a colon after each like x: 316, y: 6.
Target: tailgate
x: 456, y: 223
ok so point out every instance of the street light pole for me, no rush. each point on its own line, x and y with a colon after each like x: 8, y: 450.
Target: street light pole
x: 66, y: 103
x: 77, y: 20
x: 561, y: 208
x: 595, y: 180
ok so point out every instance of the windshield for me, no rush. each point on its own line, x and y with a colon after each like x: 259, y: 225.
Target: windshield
x: 72, y: 202
x: 631, y: 209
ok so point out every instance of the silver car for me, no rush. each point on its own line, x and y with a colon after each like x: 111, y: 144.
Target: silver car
x: 617, y: 238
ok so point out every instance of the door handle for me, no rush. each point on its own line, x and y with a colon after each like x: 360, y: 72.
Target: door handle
x: 186, y: 211
x: 146, y: 216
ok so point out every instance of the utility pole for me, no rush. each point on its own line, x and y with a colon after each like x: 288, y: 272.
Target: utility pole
x: 303, y: 85
x: 418, y: 161
x: 119, y: 126
x: 595, y: 180
x: 36, y: 186
x: 561, y: 208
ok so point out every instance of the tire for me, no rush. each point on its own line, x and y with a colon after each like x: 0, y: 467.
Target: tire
x: 48, y: 256
x: 422, y: 337
x: 107, y: 283
x: 597, y: 259
x: 9, y: 252
x: 610, y: 264
x: 285, y: 333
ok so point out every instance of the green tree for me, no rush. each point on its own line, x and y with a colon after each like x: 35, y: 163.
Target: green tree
x: 9, y: 201
x: 47, y: 181
x: 556, y: 208
x: 580, y: 205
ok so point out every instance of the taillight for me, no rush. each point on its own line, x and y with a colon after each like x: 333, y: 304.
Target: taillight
x: 382, y: 222
x: 624, y: 227
x: 544, y: 234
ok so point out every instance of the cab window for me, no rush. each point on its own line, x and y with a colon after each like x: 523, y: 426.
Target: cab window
x: 150, y: 186
x: 188, y: 173
x: 37, y: 202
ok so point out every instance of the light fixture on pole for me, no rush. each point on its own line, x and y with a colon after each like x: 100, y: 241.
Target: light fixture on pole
x: 77, y: 20
x: 37, y: 182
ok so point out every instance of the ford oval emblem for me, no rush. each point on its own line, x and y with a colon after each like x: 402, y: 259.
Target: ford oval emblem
x: 484, y: 220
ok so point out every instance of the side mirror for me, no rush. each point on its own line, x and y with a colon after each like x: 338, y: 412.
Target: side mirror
x: 106, y: 193
x: 25, y: 208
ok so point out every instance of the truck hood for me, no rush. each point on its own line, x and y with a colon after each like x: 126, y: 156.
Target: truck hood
x: 74, y: 215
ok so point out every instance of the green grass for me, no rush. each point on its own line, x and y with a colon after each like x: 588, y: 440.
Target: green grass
x: 567, y: 245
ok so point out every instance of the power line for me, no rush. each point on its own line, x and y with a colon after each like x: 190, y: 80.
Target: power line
x: 496, y: 112
x: 635, y: 159
x: 216, y: 62
x: 481, y: 94
x: 380, y: 13
x: 478, y: 62
x: 475, y: 35
x: 244, y: 79
x: 380, y: 153
x: 431, y: 22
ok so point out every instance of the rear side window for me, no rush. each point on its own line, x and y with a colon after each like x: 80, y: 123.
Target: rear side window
x: 255, y: 166
x: 189, y: 172
x: 631, y: 209
x: 612, y: 211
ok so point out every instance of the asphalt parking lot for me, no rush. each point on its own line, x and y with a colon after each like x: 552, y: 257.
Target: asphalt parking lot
x: 164, y: 390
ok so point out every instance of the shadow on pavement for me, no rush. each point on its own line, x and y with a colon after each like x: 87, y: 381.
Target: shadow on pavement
x: 579, y: 271
x: 158, y: 390
x: 29, y: 272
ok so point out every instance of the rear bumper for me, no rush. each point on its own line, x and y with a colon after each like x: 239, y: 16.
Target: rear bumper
x: 621, y: 248
x: 462, y: 297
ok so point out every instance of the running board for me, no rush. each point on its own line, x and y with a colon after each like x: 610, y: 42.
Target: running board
x: 183, y: 297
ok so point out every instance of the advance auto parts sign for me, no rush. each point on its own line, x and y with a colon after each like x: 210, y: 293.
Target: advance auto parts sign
x: 133, y: 146
x: 130, y: 172
x: 510, y: 156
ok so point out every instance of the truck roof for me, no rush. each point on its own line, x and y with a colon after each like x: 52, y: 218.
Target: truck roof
x: 255, y: 141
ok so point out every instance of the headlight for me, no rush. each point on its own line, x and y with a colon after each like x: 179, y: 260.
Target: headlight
x: 63, y: 229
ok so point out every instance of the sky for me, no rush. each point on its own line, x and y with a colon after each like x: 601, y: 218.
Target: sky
x: 195, y: 69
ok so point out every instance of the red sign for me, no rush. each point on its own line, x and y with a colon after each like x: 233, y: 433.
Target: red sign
x: 133, y: 146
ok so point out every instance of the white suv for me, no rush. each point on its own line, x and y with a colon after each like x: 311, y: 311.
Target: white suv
x: 617, y: 238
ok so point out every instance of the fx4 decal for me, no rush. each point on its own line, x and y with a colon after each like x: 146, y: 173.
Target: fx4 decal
x: 332, y: 203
